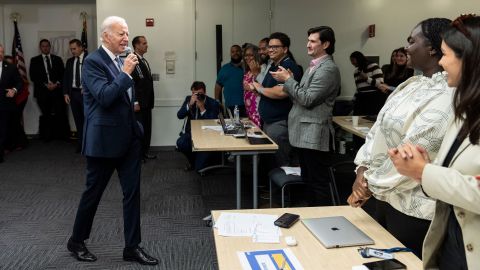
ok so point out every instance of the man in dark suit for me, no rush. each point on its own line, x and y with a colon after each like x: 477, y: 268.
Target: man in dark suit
x: 72, y: 87
x: 196, y: 106
x: 46, y: 73
x: 10, y: 84
x: 111, y: 141
x: 143, y: 93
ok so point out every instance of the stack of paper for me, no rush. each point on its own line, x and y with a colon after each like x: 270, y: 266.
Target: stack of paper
x: 258, y: 226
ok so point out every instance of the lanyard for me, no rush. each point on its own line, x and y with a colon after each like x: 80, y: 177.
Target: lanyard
x: 381, y: 253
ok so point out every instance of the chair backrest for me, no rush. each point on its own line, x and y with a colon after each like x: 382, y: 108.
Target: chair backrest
x: 342, y: 175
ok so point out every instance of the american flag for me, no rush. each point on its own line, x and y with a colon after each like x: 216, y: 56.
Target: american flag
x: 17, y: 53
x: 84, y: 36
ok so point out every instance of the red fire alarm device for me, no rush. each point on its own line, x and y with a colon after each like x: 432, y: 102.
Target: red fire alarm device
x: 149, y: 22
x: 371, y: 30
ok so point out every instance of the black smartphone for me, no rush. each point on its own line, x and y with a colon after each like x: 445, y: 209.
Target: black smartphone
x: 286, y: 220
x: 390, y: 264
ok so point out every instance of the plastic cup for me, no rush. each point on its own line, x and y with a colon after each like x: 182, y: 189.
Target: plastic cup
x: 355, y: 121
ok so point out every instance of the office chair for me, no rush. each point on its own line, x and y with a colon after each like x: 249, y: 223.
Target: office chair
x: 281, y: 179
x: 342, y: 176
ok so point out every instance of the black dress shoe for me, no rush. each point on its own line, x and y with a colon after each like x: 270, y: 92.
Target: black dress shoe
x: 80, y: 251
x: 147, y: 156
x: 138, y: 255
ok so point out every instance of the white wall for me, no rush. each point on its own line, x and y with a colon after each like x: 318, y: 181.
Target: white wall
x: 175, y: 31
x: 349, y: 18
x: 38, y: 18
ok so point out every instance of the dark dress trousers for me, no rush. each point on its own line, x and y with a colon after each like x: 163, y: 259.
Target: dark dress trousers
x: 9, y: 79
x: 145, y: 97
x: 198, y: 160
x: 75, y: 94
x: 54, y: 120
x: 111, y: 142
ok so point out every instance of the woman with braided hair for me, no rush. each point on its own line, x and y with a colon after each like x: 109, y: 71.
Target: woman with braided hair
x: 453, y: 239
x: 418, y: 111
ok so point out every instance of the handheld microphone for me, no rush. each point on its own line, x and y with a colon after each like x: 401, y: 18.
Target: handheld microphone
x: 128, y: 51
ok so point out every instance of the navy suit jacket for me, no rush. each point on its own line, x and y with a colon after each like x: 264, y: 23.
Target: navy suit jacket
x: 143, y: 86
x: 212, y: 109
x: 38, y: 75
x: 10, y: 79
x: 110, y: 126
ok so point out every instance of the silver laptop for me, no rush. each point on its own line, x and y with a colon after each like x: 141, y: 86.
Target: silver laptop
x: 337, y: 231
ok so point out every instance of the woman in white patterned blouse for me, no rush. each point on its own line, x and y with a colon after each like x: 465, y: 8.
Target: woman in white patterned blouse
x: 418, y: 111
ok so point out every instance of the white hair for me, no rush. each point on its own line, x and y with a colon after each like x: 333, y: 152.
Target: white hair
x: 106, y: 26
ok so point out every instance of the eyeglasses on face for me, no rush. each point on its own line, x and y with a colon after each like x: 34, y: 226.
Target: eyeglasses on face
x: 274, y: 47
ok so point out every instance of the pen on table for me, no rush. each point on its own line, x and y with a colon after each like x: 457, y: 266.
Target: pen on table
x: 283, y: 264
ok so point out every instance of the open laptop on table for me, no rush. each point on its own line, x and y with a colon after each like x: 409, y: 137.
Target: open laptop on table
x: 337, y: 231
x: 234, y: 130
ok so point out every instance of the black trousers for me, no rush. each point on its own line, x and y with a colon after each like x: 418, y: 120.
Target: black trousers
x: 54, y: 120
x: 198, y: 160
x: 144, y: 116
x: 16, y: 136
x: 76, y: 104
x: 5, y: 119
x: 409, y: 230
x: 99, y: 171
x: 314, y: 166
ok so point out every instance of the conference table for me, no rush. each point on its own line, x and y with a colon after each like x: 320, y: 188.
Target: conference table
x: 205, y: 139
x: 345, y: 122
x: 309, y: 251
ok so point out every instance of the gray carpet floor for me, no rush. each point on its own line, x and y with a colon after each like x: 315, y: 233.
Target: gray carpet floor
x: 40, y: 188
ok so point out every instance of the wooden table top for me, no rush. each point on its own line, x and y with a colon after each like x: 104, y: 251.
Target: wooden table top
x: 345, y: 122
x: 211, y: 140
x: 309, y: 251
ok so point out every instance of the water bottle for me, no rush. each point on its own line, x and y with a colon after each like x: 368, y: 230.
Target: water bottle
x: 236, y: 115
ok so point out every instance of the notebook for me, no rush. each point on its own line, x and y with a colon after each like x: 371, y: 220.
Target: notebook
x: 337, y: 231
x: 237, y: 130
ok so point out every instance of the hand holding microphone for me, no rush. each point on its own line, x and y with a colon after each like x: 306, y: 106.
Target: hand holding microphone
x: 131, y: 62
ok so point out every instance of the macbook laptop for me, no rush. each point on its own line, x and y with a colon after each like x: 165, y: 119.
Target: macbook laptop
x: 337, y: 231
x: 237, y: 130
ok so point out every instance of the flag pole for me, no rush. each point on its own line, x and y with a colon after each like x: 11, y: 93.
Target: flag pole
x: 83, y: 16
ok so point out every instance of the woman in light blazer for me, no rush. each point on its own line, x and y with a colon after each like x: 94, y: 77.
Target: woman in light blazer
x: 453, y: 239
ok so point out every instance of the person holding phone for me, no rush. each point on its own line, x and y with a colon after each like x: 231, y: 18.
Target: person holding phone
x: 453, y: 241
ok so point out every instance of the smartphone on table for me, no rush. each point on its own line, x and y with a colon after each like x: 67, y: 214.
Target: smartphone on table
x: 390, y: 264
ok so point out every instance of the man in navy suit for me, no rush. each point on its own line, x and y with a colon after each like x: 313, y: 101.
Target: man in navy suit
x: 144, y: 94
x: 72, y: 88
x: 10, y: 83
x: 196, y: 106
x: 46, y: 72
x: 111, y: 141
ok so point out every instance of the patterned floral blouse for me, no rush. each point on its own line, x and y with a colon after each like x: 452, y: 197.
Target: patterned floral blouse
x: 418, y: 111
x: 251, y: 99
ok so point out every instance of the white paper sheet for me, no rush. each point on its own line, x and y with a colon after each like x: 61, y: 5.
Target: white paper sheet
x: 292, y: 170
